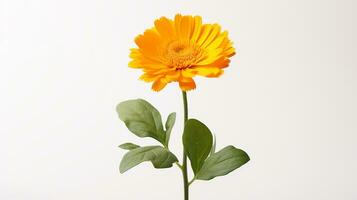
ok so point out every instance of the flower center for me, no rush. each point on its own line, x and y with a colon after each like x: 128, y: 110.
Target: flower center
x: 181, y: 55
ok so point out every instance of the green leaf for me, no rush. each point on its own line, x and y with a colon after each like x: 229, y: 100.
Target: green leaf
x: 168, y: 126
x: 159, y: 157
x: 142, y: 119
x: 128, y: 146
x: 197, y: 142
x: 222, y: 163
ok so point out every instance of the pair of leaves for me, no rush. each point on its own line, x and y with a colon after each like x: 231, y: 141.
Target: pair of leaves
x: 144, y: 120
x: 205, y: 163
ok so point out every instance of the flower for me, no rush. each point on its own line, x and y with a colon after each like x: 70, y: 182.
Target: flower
x: 176, y: 50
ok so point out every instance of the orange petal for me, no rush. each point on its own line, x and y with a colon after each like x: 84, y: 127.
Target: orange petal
x: 186, y: 27
x: 149, y: 43
x: 148, y: 77
x: 172, y: 76
x: 159, y: 84
x: 165, y: 27
x: 141, y: 61
x: 177, y: 23
x: 187, y: 84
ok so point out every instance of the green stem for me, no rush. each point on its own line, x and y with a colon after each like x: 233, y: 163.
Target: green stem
x: 178, y: 165
x: 193, y: 180
x: 184, y: 164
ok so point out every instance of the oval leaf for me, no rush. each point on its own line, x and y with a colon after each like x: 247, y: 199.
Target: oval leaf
x: 222, y: 163
x: 159, y: 157
x: 142, y: 119
x: 128, y: 146
x: 197, y: 142
x: 170, y: 122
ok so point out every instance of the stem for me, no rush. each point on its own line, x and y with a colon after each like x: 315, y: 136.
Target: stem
x: 193, y: 180
x: 178, y: 165
x: 184, y: 164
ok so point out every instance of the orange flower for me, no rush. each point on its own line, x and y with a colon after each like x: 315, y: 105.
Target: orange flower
x: 179, y: 49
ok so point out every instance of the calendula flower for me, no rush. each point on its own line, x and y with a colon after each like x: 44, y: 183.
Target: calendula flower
x: 176, y: 50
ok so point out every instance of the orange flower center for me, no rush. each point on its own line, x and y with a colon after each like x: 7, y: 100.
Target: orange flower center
x: 181, y: 55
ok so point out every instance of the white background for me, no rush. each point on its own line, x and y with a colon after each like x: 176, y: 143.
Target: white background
x: 288, y: 99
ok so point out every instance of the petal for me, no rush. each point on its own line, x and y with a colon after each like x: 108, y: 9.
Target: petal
x: 222, y: 62
x: 147, y: 77
x: 157, y: 72
x: 212, y: 36
x: 159, y: 84
x: 196, y: 29
x: 205, y: 31
x: 187, y: 84
x: 211, y: 56
x: 165, y: 27
x: 186, y: 27
x: 209, y: 71
x: 228, y: 47
x: 189, y: 73
x: 149, y: 43
x: 141, y: 61
x: 217, y: 42
x: 172, y: 76
x: 177, y: 23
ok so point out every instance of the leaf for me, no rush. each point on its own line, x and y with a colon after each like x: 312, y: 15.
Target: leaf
x: 159, y: 157
x: 142, y: 119
x: 197, y: 142
x: 128, y: 146
x: 222, y: 163
x: 170, y: 122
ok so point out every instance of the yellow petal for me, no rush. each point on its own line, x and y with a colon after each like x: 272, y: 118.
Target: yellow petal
x: 228, y: 47
x: 189, y: 73
x: 212, y: 36
x: 216, y: 43
x: 205, y: 31
x: 222, y: 62
x: 209, y: 71
x: 147, y: 77
x: 211, y: 56
x: 230, y: 52
x: 197, y: 28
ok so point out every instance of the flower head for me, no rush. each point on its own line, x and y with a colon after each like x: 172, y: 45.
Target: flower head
x: 176, y: 50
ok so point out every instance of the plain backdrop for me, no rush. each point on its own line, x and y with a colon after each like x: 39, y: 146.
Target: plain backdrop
x: 288, y: 99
